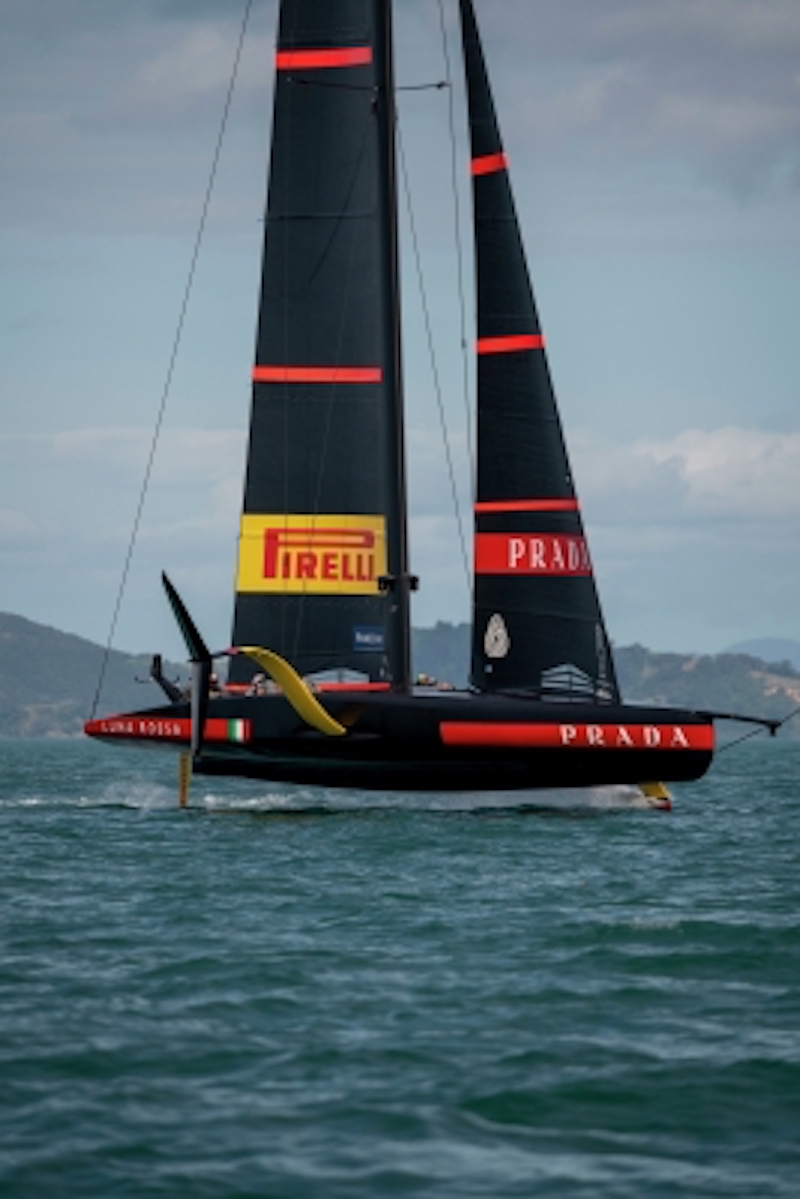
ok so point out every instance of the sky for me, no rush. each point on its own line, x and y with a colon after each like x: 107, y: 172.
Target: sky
x: 655, y: 157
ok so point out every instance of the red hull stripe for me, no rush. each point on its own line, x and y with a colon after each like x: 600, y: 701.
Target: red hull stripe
x: 510, y: 345
x: 346, y: 687
x: 317, y: 374
x: 578, y: 736
x: 312, y: 60
x: 168, y: 728
x: 526, y: 506
x: 488, y: 164
x: 562, y: 555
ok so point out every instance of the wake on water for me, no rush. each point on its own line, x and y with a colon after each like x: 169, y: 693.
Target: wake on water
x: 150, y: 798
x: 75, y: 774
x: 147, y: 796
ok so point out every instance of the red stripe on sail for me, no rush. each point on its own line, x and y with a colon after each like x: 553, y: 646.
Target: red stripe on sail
x: 486, y: 734
x: 317, y: 374
x: 488, y: 164
x: 526, y: 506
x: 312, y: 60
x: 510, y: 345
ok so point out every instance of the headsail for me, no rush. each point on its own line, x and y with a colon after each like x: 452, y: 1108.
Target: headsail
x: 537, y: 623
x: 323, y: 516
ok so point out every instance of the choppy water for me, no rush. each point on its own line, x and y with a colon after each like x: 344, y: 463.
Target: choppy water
x: 283, y: 993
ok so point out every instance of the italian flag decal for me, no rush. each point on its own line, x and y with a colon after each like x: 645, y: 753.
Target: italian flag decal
x: 166, y: 728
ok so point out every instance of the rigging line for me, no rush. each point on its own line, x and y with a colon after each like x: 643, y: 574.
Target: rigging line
x: 755, y: 732
x: 423, y: 87
x: 459, y: 248
x: 173, y: 356
x: 739, y: 740
x: 368, y: 87
x: 432, y: 353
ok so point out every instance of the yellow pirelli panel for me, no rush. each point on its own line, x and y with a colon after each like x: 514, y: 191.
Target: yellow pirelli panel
x: 293, y: 555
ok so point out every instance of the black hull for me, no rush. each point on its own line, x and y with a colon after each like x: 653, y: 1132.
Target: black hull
x: 574, y: 769
x: 399, y: 742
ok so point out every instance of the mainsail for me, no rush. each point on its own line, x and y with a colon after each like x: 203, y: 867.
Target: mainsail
x: 537, y: 623
x: 322, y: 572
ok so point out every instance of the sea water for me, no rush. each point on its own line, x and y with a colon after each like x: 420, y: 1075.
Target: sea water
x: 291, y: 992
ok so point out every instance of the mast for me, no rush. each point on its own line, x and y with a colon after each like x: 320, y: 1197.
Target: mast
x: 537, y: 623
x: 323, y: 574
x: 398, y: 583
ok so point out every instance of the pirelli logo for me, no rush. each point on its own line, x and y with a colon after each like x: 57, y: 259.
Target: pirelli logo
x: 286, y: 555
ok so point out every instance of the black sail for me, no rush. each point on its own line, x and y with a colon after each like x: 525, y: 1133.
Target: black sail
x: 537, y: 623
x: 323, y: 514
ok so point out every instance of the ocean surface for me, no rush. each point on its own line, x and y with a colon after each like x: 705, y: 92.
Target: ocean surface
x: 290, y: 992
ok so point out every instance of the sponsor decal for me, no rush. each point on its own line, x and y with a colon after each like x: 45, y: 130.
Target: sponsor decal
x: 368, y: 639
x: 296, y: 555
x: 531, y: 554
x: 579, y: 736
x: 496, y: 641
x: 165, y: 728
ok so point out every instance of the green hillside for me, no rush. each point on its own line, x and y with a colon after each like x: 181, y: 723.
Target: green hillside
x: 721, y: 682
x: 730, y: 682
x: 48, y: 679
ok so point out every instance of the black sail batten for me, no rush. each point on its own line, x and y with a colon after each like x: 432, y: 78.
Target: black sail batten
x: 537, y: 623
x: 322, y: 513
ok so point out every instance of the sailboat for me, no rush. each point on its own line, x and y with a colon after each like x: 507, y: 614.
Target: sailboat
x: 319, y: 685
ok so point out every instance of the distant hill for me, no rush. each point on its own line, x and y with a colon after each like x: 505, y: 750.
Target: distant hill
x: 48, y: 678
x: 769, y: 649
x: 721, y: 682
x: 442, y: 651
x: 729, y: 682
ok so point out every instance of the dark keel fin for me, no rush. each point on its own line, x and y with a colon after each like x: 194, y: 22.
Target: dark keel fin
x: 201, y: 665
x: 198, y: 650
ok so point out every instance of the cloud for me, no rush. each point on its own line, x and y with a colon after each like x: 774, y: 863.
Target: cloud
x: 179, y: 79
x: 735, y: 474
x: 109, y: 120
x: 746, y: 25
x: 743, y: 473
x: 94, y: 475
x: 18, y: 529
x: 182, y: 454
x: 712, y: 84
